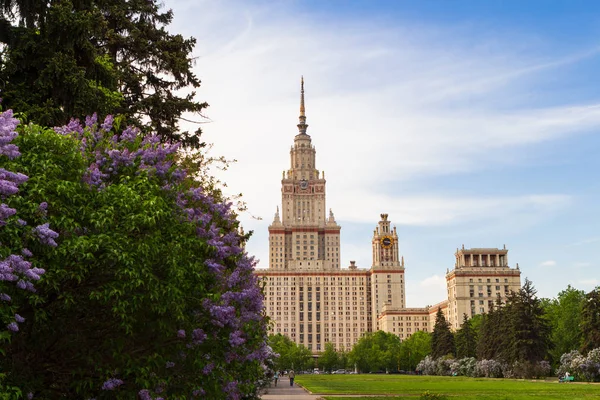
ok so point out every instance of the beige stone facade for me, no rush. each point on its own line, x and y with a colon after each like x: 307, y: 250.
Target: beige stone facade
x: 479, y: 278
x: 312, y: 300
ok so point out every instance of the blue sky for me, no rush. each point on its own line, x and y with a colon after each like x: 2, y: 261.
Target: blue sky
x: 468, y: 122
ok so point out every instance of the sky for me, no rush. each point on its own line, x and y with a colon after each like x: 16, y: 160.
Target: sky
x: 470, y: 123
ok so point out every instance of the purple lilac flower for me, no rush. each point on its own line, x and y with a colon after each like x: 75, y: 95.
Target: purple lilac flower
x: 45, y: 234
x: 43, y: 206
x: 208, y: 368
x: 112, y: 384
x: 4, y: 296
x: 26, y: 253
x: 144, y: 394
x: 13, y: 327
x: 236, y: 339
x: 108, y: 123
x: 74, y: 126
x: 170, y: 364
x: 19, y: 319
x: 90, y: 120
x: 29, y: 396
x: 181, y: 333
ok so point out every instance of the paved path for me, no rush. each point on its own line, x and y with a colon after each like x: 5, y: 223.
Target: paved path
x: 283, y: 391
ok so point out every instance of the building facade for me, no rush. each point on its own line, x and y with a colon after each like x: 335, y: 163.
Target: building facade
x: 313, y: 301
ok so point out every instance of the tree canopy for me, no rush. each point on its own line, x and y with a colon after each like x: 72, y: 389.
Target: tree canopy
x: 289, y: 354
x: 564, y: 315
x: 376, y: 351
x: 466, y: 340
x: 66, y: 59
x: 442, y: 339
x: 590, y: 321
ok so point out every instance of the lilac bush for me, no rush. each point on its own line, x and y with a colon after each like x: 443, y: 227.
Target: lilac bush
x: 151, y: 258
x: 584, y: 368
x: 488, y: 369
x: 16, y: 271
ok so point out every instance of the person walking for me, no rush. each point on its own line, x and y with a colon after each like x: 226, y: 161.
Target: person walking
x: 292, y: 375
x: 276, y: 377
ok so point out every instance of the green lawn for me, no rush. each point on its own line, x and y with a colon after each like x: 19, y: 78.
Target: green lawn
x: 453, y: 387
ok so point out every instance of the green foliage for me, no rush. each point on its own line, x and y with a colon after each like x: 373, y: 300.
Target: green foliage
x: 492, y: 332
x: 74, y: 58
x: 130, y: 272
x: 528, y: 339
x: 564, y: 315
x: 375, y: 352
x: 414, y: 349
x: 329, y: 359
x: 466, y: 341
x: 590, y: 321
x: 291, y: 355
x: 442, y: 339
x: 517, y: 332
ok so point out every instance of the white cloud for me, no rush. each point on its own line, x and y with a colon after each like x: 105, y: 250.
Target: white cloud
x: 388, y: 102
x: 434, y: 281
x: 549, y: 263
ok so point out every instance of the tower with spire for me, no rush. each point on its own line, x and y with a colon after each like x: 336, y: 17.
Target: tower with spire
x: 302, y: 237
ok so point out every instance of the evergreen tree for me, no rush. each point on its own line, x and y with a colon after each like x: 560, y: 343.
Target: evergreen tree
x: 490, y: 340
x: 590, y: 321
x: 66, y: 59
x: 529, y: 337
x: 466, y: 341
x: 442, y: 339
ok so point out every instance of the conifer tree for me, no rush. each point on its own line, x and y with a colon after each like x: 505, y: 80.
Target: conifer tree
x: 491, y: 338
x: 442, y: 339
x: 64, y: 59
x: 590, y: 321
x: 528, y: 339
x: 466, y: 340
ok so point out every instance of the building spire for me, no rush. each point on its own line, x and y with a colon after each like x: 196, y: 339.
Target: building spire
x: 302, y: 125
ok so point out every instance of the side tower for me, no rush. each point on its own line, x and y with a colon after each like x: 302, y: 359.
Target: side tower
x: 480, y: 276
x: 387, y: 271
x: 303, y: 237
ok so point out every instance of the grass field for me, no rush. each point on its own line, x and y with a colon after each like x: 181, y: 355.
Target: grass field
x: 403, y: 386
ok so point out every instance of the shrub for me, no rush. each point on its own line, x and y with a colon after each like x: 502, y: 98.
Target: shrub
x: 489, y: 369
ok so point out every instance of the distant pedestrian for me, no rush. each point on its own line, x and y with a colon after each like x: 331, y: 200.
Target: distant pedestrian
x: 292, y: 375
x: 276, y: 377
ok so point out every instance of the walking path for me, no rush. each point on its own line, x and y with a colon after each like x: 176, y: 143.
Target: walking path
x: 283, y: 391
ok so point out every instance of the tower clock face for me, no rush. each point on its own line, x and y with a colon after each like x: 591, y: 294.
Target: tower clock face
x: 386, y: 242
x: 303, y: 184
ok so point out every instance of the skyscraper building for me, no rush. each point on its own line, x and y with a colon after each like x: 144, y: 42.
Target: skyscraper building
x: 312, y: 300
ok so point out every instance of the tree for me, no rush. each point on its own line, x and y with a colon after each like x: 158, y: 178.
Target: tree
x: 466, y: 341
x: 414, y: 349
x: 442, y: 339
x: 529, y: 337
x: 73, y: 58
x: 148, y: 290
x: 291, y: 355
x: 375, y: 352
x: 564, y: 314
x: 329, y: 359
x: 493, y: 332
x: 590, y: 321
